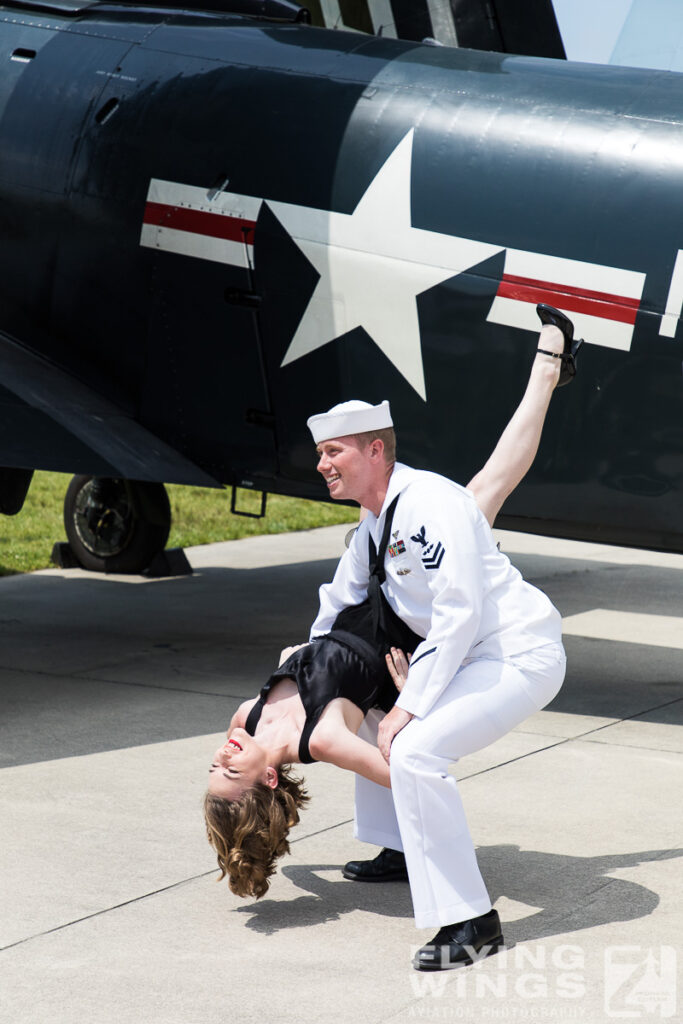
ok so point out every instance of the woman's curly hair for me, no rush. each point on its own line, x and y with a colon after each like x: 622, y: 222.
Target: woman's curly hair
x: 250, y: 834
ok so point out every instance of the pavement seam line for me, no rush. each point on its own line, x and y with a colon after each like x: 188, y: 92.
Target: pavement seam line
x: 571, y: 739
x: 106, y: 910
x: 328, y: 828
x: 204, y: 874
x: 167, y: 689
x: 638, y: 746
x: 155, y: 892
x: 124, y: 682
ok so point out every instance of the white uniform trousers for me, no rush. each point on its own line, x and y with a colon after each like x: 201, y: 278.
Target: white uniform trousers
x: 425, y: 818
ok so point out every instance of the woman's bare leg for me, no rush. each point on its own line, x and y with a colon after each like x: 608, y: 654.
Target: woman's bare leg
x: 516, y: 450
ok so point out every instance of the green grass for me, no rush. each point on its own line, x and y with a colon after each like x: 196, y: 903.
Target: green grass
x: 200, y: 516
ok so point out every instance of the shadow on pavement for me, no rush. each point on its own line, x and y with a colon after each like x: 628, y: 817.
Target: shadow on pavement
x: 572, y: 893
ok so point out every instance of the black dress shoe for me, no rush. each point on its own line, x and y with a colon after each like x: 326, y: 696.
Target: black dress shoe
x: 457, y: 945
x: 550, y: 315
x: 387, y: 866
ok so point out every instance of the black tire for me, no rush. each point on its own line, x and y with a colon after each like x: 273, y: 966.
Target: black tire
x: 116, y: 525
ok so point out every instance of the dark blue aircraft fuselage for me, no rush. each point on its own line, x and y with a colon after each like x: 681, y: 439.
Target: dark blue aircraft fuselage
x: 216, y: 227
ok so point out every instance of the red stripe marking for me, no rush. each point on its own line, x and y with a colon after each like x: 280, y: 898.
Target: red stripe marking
x: 568, y: 289
x: 569, y: 298
x: 215, y: 225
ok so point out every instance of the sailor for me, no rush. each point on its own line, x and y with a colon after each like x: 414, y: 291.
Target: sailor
x: 491, y: 656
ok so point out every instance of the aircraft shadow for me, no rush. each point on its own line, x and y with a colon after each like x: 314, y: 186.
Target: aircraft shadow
x: 92, y: 664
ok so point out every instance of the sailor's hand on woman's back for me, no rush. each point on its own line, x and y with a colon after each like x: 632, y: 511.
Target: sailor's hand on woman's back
x: 398, y: 664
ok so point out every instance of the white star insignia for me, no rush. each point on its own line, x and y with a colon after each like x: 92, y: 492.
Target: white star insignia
x: 373, y: 264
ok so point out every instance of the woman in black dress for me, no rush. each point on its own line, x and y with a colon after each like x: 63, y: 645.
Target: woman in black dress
x: 312, y: 707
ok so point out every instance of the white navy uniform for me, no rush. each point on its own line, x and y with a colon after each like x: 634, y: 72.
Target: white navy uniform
x: 491, y: 656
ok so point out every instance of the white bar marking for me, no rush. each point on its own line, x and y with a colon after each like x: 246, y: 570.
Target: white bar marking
x: 674, y: 303
x: 594, y: 330
x: 203, y: 247
x: 170, y: 193
x: 558, y: 271
x: 574, y: 273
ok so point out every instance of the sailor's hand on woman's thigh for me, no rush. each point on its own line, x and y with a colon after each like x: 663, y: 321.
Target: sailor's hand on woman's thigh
x: 390, y: 725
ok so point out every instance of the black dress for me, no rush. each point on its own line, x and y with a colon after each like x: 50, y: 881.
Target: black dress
x: 349, y: 661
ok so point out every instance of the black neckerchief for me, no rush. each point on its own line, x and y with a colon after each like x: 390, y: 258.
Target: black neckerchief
x: 378, y: 574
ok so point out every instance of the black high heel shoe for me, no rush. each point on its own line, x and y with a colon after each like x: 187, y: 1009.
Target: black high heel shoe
x: 550, y: 315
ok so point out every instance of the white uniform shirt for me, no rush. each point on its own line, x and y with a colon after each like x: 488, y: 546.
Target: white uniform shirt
x: 446, y: 578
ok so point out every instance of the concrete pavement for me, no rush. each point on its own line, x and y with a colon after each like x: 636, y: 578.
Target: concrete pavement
x: 115, y: 692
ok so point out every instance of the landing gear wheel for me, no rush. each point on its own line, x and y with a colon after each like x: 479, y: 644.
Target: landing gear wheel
x: 116, y: 525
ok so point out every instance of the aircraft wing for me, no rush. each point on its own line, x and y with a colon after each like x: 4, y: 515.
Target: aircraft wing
x: 42, y: 406
x: 630, y: 33
x: 526, y: 27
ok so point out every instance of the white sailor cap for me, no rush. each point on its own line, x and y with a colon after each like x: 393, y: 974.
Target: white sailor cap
x: 349, y: 418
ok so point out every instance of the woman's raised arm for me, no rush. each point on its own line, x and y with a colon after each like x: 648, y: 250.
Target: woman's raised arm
x: 337, y: 745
